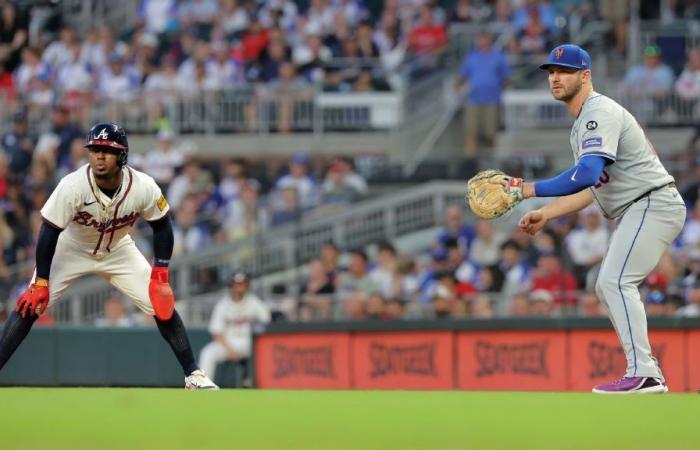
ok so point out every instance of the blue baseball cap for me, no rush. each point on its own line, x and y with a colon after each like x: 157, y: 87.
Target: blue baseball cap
x: 568, y: 55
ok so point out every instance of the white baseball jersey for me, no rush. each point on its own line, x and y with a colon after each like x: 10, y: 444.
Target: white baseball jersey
x: 95, y: 237
x: 605, y: 128
x: 95, y: 222
x: 233, y: 320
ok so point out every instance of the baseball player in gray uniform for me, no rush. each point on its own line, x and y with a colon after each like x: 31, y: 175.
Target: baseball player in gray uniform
x: 618, y: 169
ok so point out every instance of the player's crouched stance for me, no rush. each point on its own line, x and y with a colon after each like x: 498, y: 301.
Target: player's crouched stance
x: 86, y: 223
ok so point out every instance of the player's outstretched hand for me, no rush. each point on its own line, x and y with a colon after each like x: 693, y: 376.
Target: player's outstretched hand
x: 34, y: 300
x: 532, y: 222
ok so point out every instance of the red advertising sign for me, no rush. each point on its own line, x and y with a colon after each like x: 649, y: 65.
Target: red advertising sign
x: 597, y: 357
x: 693, y: 359
x: 403, y: 360
x: 512, y: 360
x: 303, y: 361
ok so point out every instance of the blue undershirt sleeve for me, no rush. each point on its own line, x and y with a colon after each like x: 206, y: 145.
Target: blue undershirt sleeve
x: 581, y: 176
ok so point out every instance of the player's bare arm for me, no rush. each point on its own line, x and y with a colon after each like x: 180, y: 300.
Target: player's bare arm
x: 535, y: 220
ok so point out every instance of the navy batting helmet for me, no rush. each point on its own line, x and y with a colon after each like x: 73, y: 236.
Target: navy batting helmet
x: 109, y: 135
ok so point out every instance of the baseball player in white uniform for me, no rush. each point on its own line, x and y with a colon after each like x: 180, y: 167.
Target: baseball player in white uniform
x: 231, y: 325
x: 85, y: 228
x: 618, y: 169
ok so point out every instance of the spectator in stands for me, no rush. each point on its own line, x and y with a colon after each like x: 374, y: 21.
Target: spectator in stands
x: 288, y: 208
x: 616, y: 13
x: 117, y: 87
x: 487, y: 72
x: 688, y: 83
x: 535, y: 10
x: 156, y: 15
x: 455, y: 228
x: 245, y: 215
x: 231, y: 325
x: 191, y: 180
x: 357, y: 276
x: 587, y: 245
x: 283, y: 95
x: 8, y: 92
x: 549, y: 276
x: 233, y: 178
x: 330, y: 257
x: 376, y: 307
x: 464, y: 12
x: 534, y: 39
x: 541, y: 303
x: 405, y: 281
x: 651, y: 78
x: 299, y: 179
x: 268, y: 69
x: 692, y: 302
x: 425, y: 39
x: 590, y: 306
x: 59, y: 53
x: 316, y: 293
x: 114, y: 315
x: 383, y: 274
x: 18, y: 145
x: 482, y: 307
x: 655, y: 303
x: 75, y: 81
x: 519, y: 306
x: 650, y: 81
x: 13, y: 35
x: 342, y: 185
x: 690, y: 236
x: 233, y: 18
x: 66, y: 130
x: 189, y: 232
x: 27, y: 73
x: 486, y: 246
x: 512, y: 274
x: 164, y: 160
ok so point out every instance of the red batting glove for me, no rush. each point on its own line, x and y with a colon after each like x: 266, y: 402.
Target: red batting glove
x: 35, y: 299
x: 161, y: 294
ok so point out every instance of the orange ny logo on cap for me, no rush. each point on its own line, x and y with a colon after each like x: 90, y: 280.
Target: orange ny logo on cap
x: 558, y: 52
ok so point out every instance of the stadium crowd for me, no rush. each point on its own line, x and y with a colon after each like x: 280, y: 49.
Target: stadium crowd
x: 182, y: 49
x: 266, y: 50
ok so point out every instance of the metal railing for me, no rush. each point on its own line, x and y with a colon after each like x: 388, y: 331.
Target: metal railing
x: 538, y: 109
x: 82, y: 15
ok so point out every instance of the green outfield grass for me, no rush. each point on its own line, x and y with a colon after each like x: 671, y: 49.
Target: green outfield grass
x: 101, y: 419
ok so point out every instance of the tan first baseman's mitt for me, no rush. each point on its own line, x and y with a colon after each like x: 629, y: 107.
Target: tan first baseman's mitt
x: 492, y: 193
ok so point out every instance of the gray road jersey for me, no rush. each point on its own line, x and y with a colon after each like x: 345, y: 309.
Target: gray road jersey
x: 605, y: 128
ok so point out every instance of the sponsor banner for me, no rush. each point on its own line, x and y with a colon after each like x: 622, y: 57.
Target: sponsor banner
x: 403, y: 360
x: 693, y: 360
x: 597, y: 357
x: 512, y: 360
x: 303, y: 361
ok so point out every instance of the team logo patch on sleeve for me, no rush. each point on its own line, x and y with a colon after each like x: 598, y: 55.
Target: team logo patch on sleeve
x: 162, y: 203
x: 592, y: 142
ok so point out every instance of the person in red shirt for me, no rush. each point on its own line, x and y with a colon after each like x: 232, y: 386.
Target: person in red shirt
x: 551, y: 277
x: 427, y: 36
x: 7, y: 87
x: 254, y: 40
